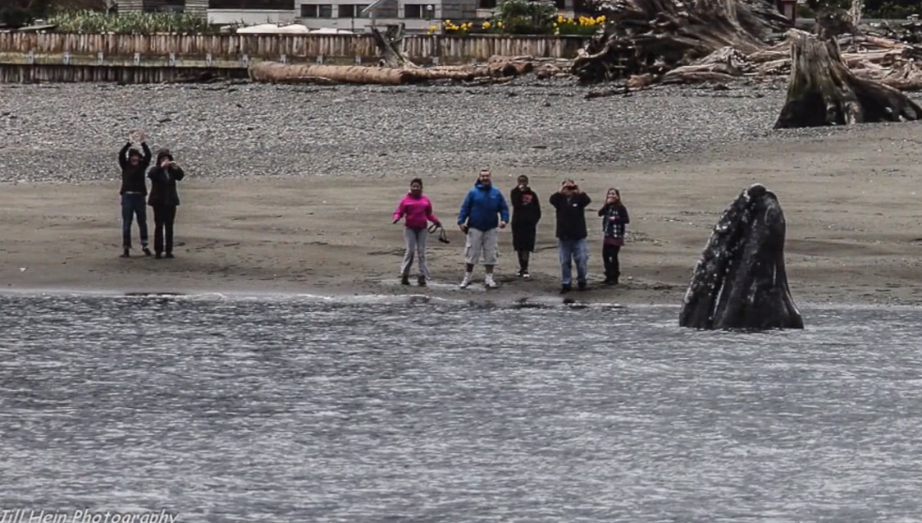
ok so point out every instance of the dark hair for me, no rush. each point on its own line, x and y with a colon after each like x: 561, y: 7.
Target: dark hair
x: 417, y: 180
x: 134, y: 152
x: 522, y: 177
x: 163, y: 153
x: 610, y: 189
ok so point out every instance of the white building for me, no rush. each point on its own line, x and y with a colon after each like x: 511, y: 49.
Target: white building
x: 354, y: 15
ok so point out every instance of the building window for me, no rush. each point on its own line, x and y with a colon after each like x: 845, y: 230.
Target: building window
x: 352, y: 10
x: 418, y: 11
x: 486, y: 4
x: 316, y: 11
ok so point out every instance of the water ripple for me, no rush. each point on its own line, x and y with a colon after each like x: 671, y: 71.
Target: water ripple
x: 232, y: 410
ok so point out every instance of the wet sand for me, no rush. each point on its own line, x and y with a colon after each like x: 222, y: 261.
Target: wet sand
x: 853, y: 228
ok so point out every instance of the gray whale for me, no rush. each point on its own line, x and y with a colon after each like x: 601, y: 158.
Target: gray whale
x: 740, y: 282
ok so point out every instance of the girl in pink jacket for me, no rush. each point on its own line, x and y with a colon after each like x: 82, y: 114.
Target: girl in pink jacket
x: 418, y: 211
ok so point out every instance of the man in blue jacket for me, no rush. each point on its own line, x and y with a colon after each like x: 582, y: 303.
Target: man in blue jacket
x: 484, y: 208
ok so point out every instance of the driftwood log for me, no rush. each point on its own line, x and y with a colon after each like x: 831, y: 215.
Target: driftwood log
x: 396, y: 67
x: 275, y: 72
x: 390, y: 45
x: 822, y: 90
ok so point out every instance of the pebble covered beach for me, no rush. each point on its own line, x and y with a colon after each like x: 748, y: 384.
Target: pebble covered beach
x: 71, y: 132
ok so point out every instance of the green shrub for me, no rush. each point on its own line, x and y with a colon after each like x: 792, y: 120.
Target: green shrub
x: 525, y: 17
x: 95, y: 22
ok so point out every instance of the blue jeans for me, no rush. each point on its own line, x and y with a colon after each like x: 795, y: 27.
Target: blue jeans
x: 569, y: 251
x: 133, y: 205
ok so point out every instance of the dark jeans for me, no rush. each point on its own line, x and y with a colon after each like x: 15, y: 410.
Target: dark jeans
x: 610, y: 257
x: 133, y: 205
x: 164, y: 217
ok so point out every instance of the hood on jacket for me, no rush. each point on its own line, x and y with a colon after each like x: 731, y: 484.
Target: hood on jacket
x: 163, y: 153
x: 134, y: 152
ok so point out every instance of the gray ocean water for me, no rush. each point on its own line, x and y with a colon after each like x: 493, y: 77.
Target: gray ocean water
x: 299, y: 410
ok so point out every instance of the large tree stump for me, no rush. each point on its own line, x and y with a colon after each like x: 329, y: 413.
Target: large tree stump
x: 655, y: 36
x: 822, y: 90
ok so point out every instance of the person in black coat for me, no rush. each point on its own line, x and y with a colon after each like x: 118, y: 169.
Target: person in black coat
x: 526, y: 213
x: 164, y: 198
x: 571, y: 204
x: 133, y: 190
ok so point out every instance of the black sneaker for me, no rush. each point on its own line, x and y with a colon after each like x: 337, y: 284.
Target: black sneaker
x: 158, y: 255
x: 146, y: 251
x: 169, y: 255
x: 405, y: 279
x: 564, y: 289
x: 581, y: 286
x: 421, y: 281
x: 126, y: 253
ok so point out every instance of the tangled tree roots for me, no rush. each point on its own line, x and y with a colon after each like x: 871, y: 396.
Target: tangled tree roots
x: 823, y: 91
x: 655, y: 36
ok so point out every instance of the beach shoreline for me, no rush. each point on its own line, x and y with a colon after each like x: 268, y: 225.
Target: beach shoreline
x: 851, y: 233
x: 303, y: 204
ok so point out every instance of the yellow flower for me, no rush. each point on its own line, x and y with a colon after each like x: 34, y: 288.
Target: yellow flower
x: 555, y: 24
x: 500, y: 25
x: 560, y: 19
x: 433, y: 28
x: 486, y: 25
x: 600, y: 19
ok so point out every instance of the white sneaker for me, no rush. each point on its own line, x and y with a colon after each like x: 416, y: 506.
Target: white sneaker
x: 526, y: 276
x: 489, y: 283
x: 465, y: 282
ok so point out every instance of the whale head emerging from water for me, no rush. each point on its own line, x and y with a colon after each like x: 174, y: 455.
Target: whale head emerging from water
x: 740, y: 282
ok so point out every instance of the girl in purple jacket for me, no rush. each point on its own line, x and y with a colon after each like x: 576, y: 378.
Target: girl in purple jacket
x: 615, y: 219
x: 418, y: 211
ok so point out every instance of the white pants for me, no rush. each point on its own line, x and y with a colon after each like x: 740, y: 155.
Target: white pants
x: 484, y: 243
x: 416, y: 246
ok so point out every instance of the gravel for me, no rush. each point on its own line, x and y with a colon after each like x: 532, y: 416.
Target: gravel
x: 72, y: 132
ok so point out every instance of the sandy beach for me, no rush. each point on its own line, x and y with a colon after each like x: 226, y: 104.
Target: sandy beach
x: 850, y: 201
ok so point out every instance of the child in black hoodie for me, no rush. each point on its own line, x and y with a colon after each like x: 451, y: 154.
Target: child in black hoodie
x: 526, y: 212
x: 614, y: 224
x: 164, y: 198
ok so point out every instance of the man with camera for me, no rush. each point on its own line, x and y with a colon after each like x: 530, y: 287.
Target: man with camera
x: 571, y: 205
